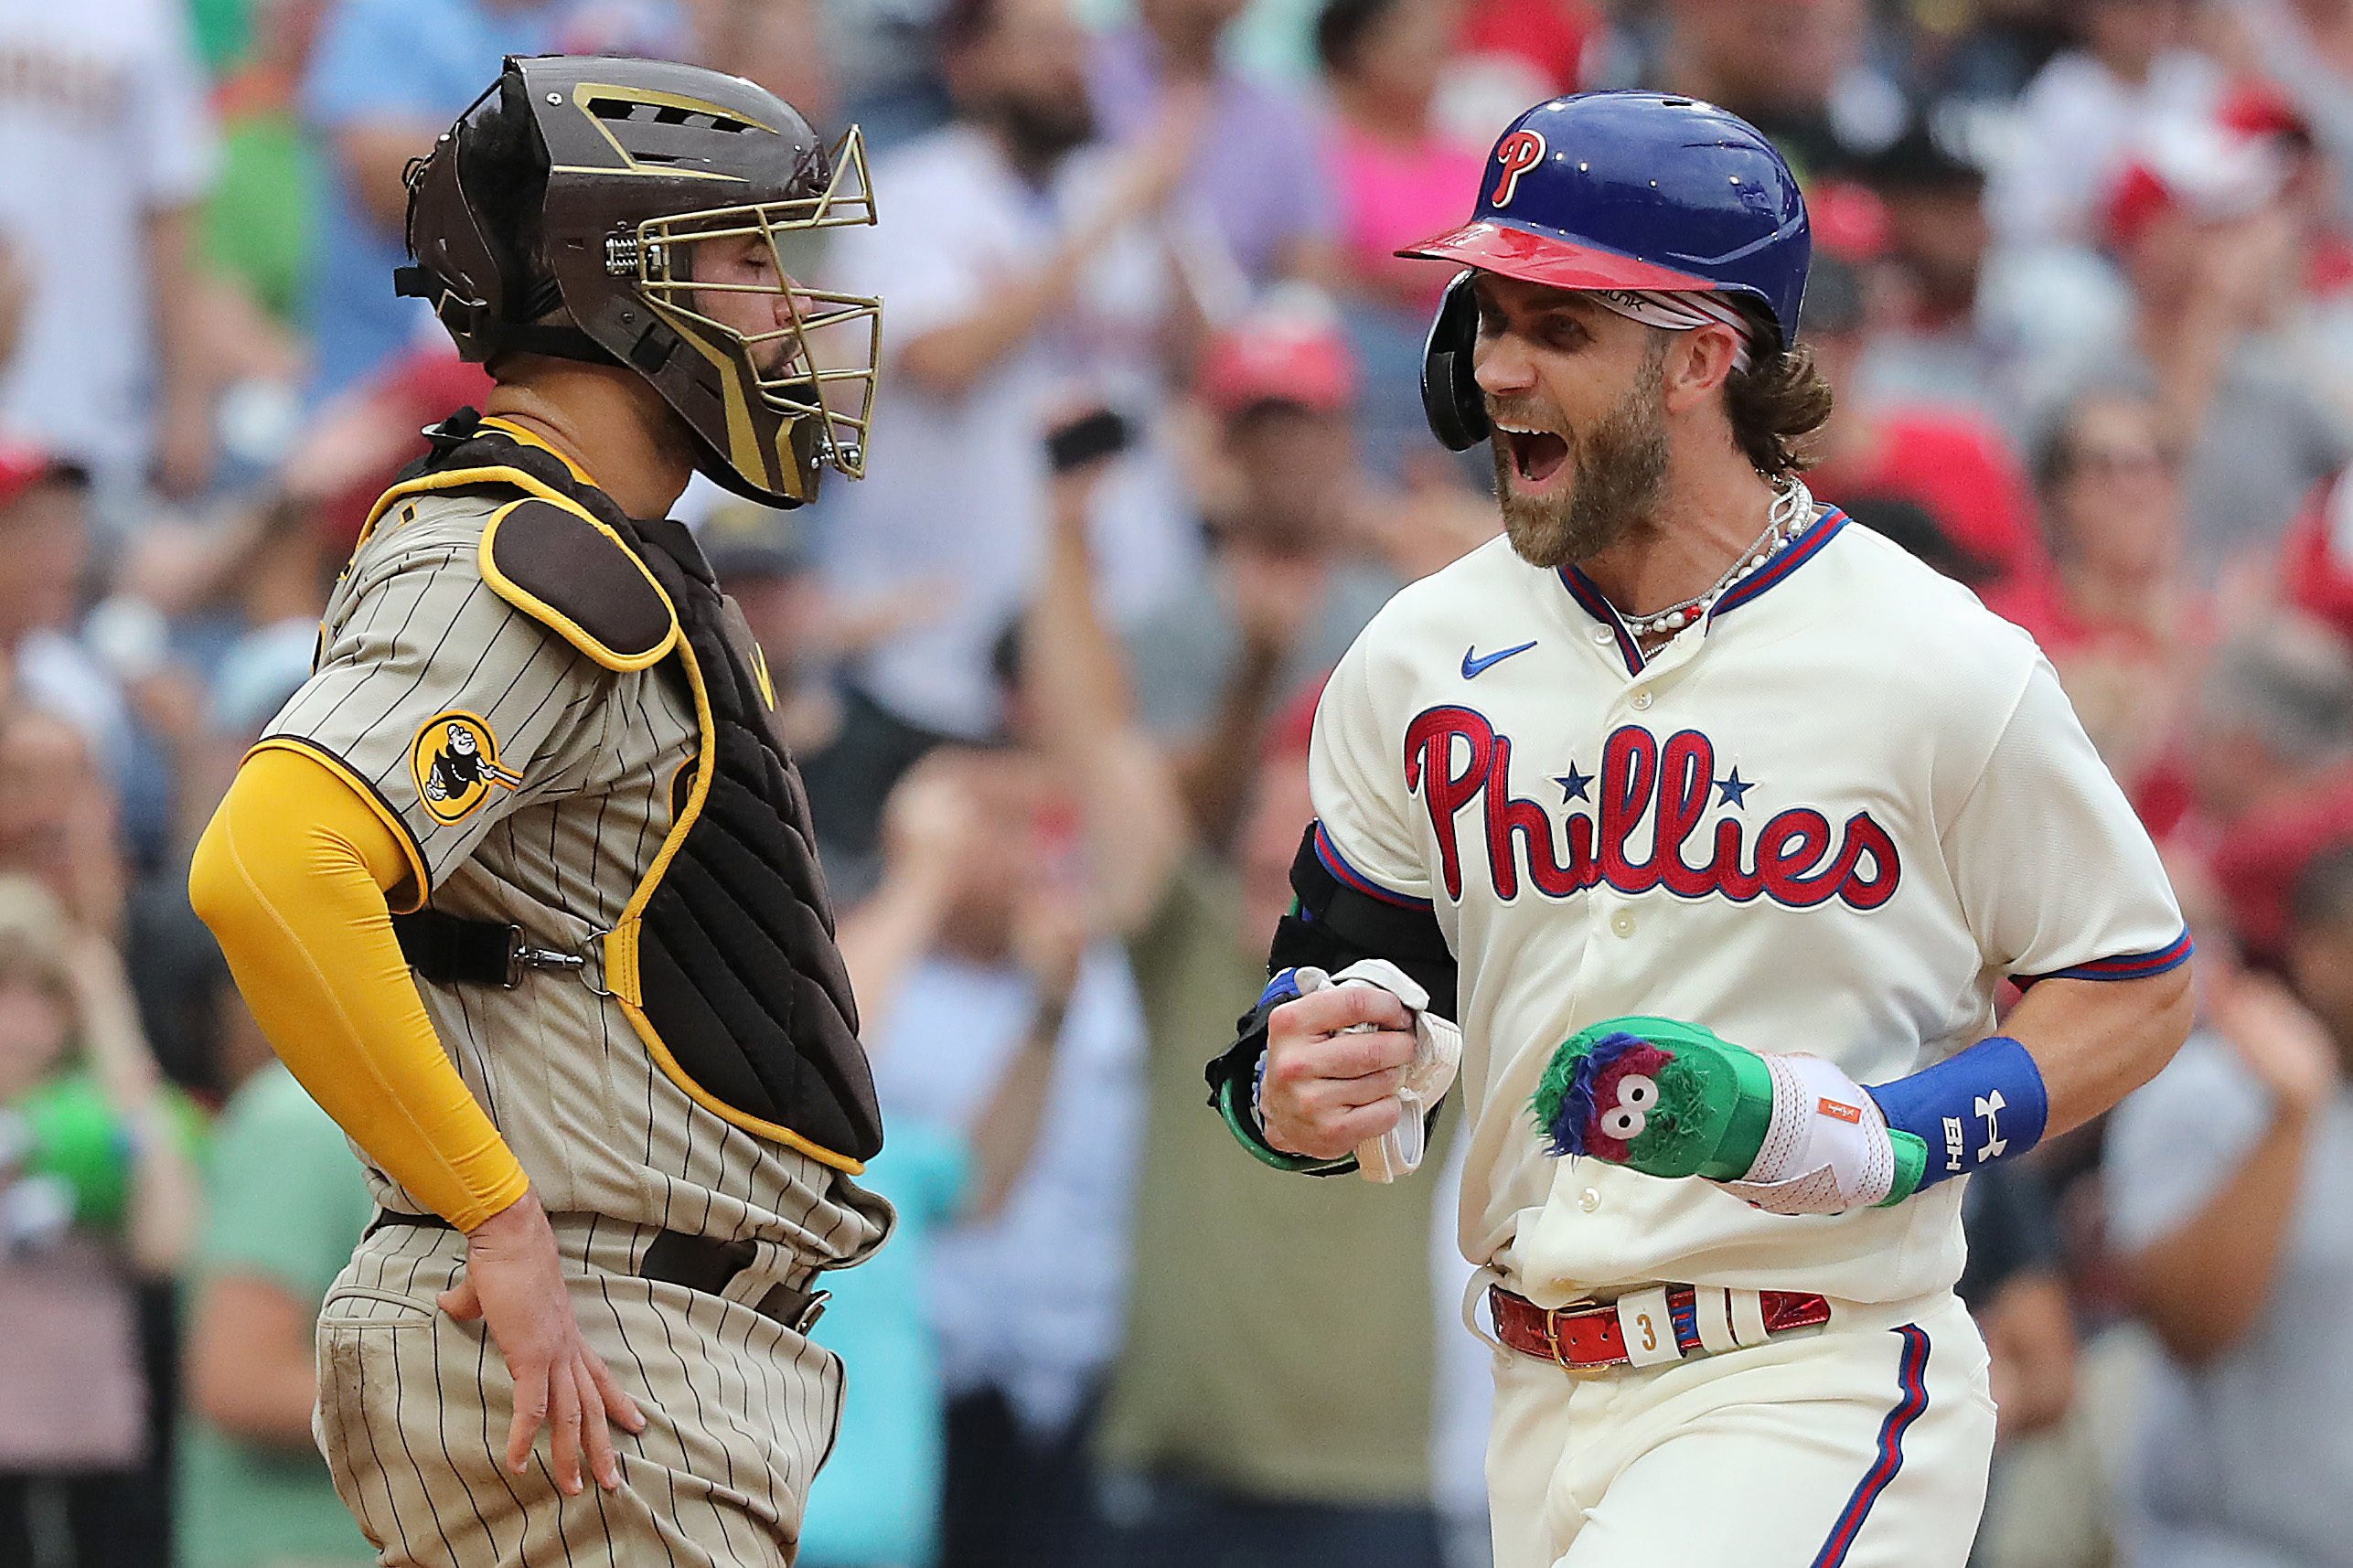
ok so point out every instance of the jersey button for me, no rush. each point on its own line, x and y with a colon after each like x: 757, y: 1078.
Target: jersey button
x: 1622, y: 923
x: 1602, y: 635
x: 1641, y: 701
x: 1589, y: 1200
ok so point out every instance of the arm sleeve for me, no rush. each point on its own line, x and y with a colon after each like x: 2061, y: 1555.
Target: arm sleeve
x: 2055, y: 875
x: 291, y: 876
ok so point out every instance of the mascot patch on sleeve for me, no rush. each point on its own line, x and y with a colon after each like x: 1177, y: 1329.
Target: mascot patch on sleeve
x: 454, y: 762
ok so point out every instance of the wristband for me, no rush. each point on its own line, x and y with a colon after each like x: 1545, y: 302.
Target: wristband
x: 1985, y: 1104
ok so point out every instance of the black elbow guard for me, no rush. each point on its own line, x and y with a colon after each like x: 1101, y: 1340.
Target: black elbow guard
x: 1331, y: 925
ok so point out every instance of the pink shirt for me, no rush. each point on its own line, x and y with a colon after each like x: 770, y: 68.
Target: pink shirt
x: 1392, y: 195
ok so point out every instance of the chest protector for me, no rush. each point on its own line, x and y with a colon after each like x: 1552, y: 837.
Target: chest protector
x: 724, y: 958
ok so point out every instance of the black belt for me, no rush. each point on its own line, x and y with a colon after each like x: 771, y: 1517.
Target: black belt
x: 673, y: 1257
x: 450, y: 950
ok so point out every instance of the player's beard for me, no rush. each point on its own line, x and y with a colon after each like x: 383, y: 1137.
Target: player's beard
x: 1618, y: 467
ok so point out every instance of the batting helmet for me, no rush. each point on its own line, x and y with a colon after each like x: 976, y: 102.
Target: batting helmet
x: 560, y: 215
x: 1618, y: 190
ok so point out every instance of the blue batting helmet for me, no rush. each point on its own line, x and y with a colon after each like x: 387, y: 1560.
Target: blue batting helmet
x: 1618, y: 190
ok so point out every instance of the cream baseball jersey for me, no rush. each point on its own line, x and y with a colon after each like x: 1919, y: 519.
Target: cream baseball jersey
x: 1830, y: 819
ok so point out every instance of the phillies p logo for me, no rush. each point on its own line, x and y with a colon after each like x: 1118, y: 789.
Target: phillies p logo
x: 1516, y: 155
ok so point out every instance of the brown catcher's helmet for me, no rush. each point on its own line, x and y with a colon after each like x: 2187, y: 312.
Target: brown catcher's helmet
x: 559, y: 215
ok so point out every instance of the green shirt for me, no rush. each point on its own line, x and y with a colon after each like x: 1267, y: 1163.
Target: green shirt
x: 1281, y: 1334
x: 287, y: 1203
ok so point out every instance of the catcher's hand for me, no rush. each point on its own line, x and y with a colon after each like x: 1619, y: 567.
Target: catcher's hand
x: 1792, y: 1135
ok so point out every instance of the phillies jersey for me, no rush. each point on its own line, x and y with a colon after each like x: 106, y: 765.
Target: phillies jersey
x: 1830, y: 818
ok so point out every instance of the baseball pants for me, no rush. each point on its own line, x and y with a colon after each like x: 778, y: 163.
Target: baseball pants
x: 414, y: 1409
x: 1862, y: 1444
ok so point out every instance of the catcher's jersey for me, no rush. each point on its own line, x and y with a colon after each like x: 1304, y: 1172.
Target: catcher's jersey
x: 1830, y: 819
x: 535, y: 786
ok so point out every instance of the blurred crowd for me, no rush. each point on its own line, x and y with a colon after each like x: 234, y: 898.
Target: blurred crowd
x: 2083, y: 284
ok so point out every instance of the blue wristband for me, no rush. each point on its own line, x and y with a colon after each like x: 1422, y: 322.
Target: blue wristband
x: 1987, y: 1103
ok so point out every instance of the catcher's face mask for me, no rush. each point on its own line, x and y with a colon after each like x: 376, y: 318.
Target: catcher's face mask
x: 673, y: 203
x: 722, y: 279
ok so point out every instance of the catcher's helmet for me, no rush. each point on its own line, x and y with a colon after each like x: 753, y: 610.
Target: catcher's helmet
x: 1618, y: 190
x: 579, y: 185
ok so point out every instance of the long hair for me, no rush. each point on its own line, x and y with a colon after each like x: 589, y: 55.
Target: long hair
x: 1776, y: 404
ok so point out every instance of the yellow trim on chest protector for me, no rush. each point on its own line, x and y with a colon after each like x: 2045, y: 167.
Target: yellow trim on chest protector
x: 621, y: 945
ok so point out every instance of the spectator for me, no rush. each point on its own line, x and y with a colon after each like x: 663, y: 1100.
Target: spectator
x: 2081, y: 121
x: 2211, y: 257
x: 1287, y: 1453
x: 109, y: 146
x: 45, y: 539
x: 387, y: 77
x: 2273, y: 769
x: 1401, y: 177
x: 57, y: 819
x: 287, y: 1203
x: 1022, y: 269
x: 994, y: 1011
x: 2227, y: 1181
x: 97, y: 1193
x: 1951, y: 465
x: 880, y: 1498
x: 1283, y: 596
x: 2127, y: 630
x: 1253, y: 205
x: 1796, y: 69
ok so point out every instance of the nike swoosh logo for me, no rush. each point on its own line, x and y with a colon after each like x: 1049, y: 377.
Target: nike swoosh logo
x: 1473, y: 665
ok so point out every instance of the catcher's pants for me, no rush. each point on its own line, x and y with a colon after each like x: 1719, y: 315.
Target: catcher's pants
x: 1860, y: 1445
x: 413, y: 1408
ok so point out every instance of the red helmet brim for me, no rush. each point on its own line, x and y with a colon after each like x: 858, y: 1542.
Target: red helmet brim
x: 1545, y: 259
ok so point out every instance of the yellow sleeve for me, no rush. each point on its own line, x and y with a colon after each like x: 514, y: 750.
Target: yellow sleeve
x: 292, y: 876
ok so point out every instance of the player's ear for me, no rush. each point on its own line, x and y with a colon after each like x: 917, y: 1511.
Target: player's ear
x: 1698, y: 362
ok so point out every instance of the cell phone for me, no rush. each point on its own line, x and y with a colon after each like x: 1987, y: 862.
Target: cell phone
x: 1087, y: 439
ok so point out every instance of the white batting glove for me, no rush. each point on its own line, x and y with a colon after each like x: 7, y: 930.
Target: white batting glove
x: 1827, y: 1149
x: 1437, y: 1052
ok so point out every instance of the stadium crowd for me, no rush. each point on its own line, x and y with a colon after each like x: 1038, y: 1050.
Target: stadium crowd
x: 2084, y: 287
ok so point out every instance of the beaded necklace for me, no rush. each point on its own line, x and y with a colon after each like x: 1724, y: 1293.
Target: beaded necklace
x: 1791, y: 509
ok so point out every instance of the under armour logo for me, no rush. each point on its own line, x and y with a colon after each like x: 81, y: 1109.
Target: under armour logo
x: 1987, y: 1104
x: 1516, y: 155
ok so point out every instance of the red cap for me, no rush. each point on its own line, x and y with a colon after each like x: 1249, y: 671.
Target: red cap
x: 1282, y: 359
x: 23, y: 466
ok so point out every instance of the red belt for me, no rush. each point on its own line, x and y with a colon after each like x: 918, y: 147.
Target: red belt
x: 1588, y: 1334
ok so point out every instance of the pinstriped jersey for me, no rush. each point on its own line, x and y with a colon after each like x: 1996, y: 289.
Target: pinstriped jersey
x: 533, y: 786
x: 1830, y: 818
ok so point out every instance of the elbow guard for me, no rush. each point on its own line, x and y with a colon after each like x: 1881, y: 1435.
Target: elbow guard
x: 1331, y: 925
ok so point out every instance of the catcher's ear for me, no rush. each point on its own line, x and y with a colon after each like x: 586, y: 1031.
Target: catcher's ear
x: 1456, y: 409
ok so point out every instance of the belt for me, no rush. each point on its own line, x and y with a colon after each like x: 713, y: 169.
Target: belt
x: 673, y: 1257
x: 1665, y: 1323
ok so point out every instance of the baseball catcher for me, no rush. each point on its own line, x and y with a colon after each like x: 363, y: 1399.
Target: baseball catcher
x: 520, y: 882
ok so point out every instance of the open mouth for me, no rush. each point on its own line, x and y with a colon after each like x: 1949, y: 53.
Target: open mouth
x: 1536, y: 454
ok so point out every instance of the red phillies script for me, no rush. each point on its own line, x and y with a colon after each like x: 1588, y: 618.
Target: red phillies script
x: 1793, y: 858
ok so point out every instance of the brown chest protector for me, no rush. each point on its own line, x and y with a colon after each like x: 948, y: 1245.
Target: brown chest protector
x: 724, y: 957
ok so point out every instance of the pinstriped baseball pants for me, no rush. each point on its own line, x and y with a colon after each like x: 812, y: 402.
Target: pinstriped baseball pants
x: 414, y: 1409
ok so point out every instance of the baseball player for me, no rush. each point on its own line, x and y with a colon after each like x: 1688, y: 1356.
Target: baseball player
x: 1699, y: 808
x: 520, y: 884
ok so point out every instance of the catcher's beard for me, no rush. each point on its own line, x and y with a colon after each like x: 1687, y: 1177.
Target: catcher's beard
x: 1618, y: 467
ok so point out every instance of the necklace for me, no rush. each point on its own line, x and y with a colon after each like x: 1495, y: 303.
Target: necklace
x: 1791, y: 508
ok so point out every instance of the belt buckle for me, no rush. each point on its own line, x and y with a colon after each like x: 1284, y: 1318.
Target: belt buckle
x: 1552, y: 1335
